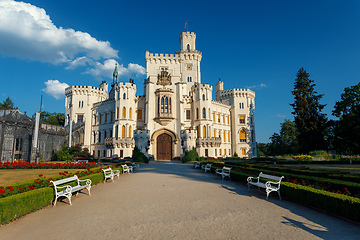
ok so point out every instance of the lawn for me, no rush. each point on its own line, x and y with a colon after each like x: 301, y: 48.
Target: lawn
x: 10, y: 176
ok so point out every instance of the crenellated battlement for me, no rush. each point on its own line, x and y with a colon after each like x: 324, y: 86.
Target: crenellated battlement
x: 124, y: 85
x: 237, y: 92
x: 85, y: 90
x: 200, y: 86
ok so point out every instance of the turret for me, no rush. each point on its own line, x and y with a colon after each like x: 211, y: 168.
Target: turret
x: 187, y: 41
x: 219, y: 88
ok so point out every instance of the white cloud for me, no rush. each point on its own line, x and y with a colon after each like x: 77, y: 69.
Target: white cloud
x: 262, y: 85
x: 55, y: 88
x: 107, y: 68
x: 280, y: 116
x: 27, y: 32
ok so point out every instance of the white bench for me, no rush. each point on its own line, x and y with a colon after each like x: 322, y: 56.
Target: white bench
x: 270, y: 186
x: 224, y: 172
x: 82, y: 161
x: 127, y: 168
x: 62, y: 189
x: 135, y: 166
x: 197, y: 165
x: 110, y: 174
x: 207, y: 168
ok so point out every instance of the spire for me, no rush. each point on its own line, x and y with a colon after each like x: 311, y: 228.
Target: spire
x: 115, y: 75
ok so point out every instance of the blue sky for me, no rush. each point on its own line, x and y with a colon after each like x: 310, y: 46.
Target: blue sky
x: 48, y: 45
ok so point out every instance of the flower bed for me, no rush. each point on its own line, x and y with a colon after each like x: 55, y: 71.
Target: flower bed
x: 17, y: 205
x: 27, y: 165
x: 43, y: 181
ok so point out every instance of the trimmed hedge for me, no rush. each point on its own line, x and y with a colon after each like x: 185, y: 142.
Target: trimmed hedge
x: 340, y: 205
x: 18, y: 205
x: 333, y: 203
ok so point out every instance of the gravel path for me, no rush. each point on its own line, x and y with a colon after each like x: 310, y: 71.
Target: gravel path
x: 165, y: 200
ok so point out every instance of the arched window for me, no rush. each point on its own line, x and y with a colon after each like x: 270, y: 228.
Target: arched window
x: 224, y: 136
x: 214, y: 133
x: 124, y: 96
x: 166, y: 105
x: 204, y: 131
x: 209, y: 132
x: 130, y: 113
x: 116, y: 132
x: 198, y: 131
x: 129, y: 131
x: 197, y: 113
x: 123, y: 131
x: 99, y: 140
x: 188, y: 47
x: 124, y: 112
x: 117, y: 113
x: 189, y: 79
x: 242, y: 135
x: 203, y: 97
x: 204, y: 113
x: 162, y: 105
x: 229, y: 138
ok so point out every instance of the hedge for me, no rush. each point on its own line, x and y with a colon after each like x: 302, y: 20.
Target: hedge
x: 18, y: 205
x: 341, y: 205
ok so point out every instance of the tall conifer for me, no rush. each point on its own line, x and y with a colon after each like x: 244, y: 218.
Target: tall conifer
x: 309, y: 121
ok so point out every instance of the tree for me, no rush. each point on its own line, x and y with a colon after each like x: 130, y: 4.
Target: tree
x: 347, y: 129
x: 191, y: 155
x: 309, y: 121
x: 139, y: 156
x: 52, y: 118
x: 7, y: 104
x: 285, y: 142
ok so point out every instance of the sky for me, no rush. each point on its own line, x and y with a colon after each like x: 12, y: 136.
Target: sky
x: 46, y: 46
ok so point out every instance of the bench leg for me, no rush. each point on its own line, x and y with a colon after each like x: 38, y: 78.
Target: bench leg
x: 279, y: 194
x: 69, y: 197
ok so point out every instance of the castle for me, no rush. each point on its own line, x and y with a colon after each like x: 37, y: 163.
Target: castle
x: 175, y: 114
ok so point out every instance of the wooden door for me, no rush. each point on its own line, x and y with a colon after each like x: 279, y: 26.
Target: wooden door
x: 164, y: 147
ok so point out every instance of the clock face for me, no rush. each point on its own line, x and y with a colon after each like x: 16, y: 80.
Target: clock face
x: 189, y: 67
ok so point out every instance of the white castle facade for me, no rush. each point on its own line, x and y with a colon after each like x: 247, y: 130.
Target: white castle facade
x: 176, y: 112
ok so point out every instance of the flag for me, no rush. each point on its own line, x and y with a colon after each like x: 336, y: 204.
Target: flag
x: 185, y: 24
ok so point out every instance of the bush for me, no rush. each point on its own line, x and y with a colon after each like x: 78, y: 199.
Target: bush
x: 191, y: 155
x: 319, y: 153
x: 139, y: 156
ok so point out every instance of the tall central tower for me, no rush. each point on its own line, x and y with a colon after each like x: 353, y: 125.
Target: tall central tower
x: 187, y: 41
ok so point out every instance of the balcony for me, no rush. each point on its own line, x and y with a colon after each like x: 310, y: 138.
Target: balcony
x: 120, y: 142
x: 208, y: 142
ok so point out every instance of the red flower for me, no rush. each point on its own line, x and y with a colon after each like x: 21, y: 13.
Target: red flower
x: 19, y: 187
x: 40, y: 175
x: 36, y: 181
x: 2, y: 190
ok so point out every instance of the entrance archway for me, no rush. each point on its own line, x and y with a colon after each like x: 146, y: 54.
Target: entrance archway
x: 164, y: 147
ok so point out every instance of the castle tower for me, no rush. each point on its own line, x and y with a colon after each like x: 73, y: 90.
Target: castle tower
x: 187, y: 41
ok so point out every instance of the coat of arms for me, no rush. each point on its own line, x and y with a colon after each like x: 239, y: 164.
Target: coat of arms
x: 164, y: 78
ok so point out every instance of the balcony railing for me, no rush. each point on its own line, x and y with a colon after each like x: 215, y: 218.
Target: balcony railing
x: 208, y: 142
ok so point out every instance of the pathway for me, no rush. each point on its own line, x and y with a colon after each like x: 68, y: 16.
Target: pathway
x: 164, y: 200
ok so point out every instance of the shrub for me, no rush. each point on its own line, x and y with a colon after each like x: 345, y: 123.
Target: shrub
x: 319, y: 153
x: 139, y: 156
x: 191, y: 155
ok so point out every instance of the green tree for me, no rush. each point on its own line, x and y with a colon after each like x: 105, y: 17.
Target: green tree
x: 139, y: 156
x: 285, y: 142
x: 7, y: 104
x: 52, y: 118
x: 347, y: 129
x: 309, y: 121
x: 191, y: 155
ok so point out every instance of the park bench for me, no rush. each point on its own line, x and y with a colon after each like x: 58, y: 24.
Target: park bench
x: 197, y: 165
x: 110, y: 174
x: 135, y: 166
x: 224, y: 172
x: 82, y: 161
x: 207, y: 167
x: 270, y: 186
x: 63, y: 189
x: 127, y: 168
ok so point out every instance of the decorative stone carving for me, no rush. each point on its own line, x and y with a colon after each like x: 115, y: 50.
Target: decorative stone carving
x: 164, y: 78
